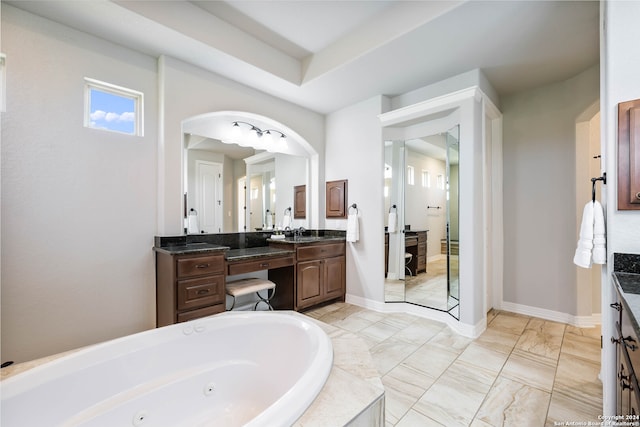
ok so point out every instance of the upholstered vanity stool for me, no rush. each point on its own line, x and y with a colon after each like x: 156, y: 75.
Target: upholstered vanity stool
x: 246, y: 286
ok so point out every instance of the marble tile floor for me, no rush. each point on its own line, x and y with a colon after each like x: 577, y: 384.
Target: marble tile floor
x: 428, y: 288
x: 522, y: 371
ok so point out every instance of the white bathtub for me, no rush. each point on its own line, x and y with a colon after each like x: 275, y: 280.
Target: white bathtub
x: 236, y: 368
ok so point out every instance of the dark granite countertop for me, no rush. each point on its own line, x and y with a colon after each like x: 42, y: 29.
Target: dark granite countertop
x: 190, y: 248
x: 626, y: 278
x: 308, y: 239
x: 629, y: 282
x: 240, y: 246
x: 259, y: 252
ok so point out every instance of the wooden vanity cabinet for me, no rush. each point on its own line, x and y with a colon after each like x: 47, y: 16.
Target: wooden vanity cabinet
x: 422, y: 252
x: 189, y: 286
x: 628, y: 364
x: 321, y: 272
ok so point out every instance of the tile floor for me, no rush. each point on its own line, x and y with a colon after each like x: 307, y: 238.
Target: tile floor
x: 521, y: 371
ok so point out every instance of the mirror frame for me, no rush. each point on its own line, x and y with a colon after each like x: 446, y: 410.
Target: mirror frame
x: 398, y: 198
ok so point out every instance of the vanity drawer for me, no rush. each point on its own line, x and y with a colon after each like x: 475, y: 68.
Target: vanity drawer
x: 259, y: 265
x: 195, y: 293
x: 199, y: 266
x: 320, y: 251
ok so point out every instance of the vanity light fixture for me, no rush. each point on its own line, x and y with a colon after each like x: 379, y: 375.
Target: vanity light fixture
x: 259, y: 132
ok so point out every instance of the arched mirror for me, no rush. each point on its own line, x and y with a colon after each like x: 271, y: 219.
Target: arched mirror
x: 240, y: 171
x: 421, y: 190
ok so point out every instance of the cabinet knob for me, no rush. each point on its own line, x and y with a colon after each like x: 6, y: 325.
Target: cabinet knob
x: 616, y: 305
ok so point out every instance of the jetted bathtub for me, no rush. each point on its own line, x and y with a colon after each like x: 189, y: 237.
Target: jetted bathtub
x: 235, y: 368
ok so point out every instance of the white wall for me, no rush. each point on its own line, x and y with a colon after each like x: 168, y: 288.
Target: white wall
x: 621, y: 83
x: 539, y: 192
x: 80, y: 207
x: 620, y: 55
x: 354, y: 151
x: 78, y: 204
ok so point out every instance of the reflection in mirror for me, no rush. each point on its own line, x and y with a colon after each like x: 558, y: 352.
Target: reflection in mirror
x: 215, y: 175
x: 421, y: 226
x: 453, y: 226
x: 262, y: 194
x: 216, y: 185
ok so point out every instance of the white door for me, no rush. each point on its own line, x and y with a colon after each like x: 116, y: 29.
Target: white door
x: 209, y: 196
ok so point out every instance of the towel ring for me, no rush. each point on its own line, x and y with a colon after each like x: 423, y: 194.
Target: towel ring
x: 603, y: 178
x: 393, y: 207
x: 354, y: 206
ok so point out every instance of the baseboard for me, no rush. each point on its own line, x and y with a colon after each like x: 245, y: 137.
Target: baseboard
x: 365, y: 303
x: 554, y: 316
x: 467, y: 330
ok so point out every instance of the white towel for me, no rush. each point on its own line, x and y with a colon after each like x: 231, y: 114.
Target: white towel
x: 192, y: 224
x: 591, y: 245
x: 268, y: 221
x: 353, y: 232
x: 599, y: 237
x: 393, y: 222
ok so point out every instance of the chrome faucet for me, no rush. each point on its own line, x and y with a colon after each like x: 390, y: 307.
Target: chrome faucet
x: 298, y: 232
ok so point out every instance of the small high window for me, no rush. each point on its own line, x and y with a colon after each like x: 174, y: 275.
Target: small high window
x: 410, y: 175
x: 113, y: 108
x: 426, y: 179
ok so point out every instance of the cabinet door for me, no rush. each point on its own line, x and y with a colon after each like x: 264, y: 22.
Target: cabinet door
x: 334, y: 277
x: 300, y: 202
x: 623, y: 394
x: 309, y: 286
x: 629, y: 155
x: 336, y: 195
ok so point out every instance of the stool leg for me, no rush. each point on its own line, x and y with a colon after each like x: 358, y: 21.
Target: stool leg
x: 265, y: 300
x: 273, y: 292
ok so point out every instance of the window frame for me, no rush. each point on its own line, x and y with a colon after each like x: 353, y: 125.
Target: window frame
x: 138, y: 103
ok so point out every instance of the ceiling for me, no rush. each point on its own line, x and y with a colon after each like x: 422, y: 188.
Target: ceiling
x: 325, y: 55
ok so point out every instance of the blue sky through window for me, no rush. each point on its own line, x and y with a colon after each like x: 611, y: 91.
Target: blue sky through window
x: 112, y: 112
